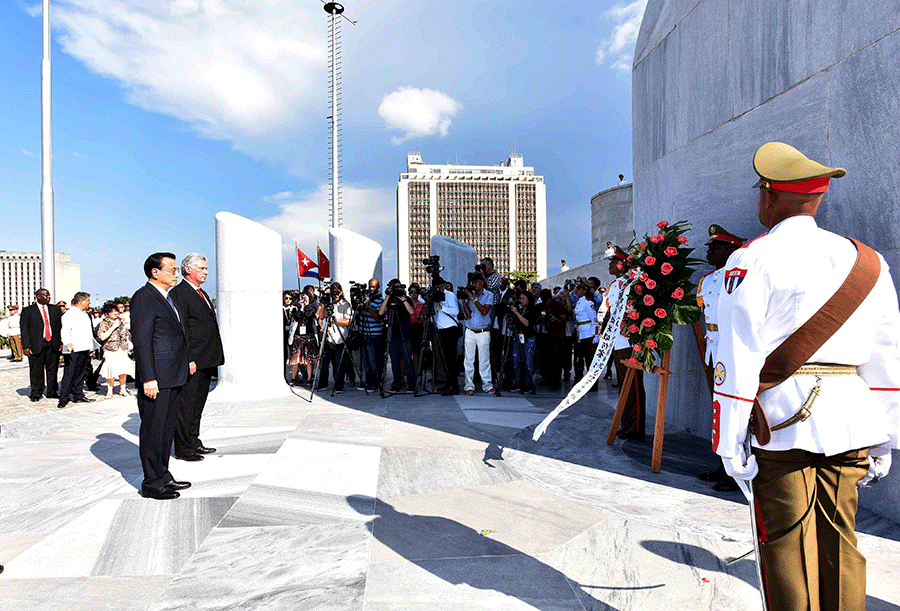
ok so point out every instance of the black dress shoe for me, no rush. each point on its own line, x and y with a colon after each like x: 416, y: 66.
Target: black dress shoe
x: 162, y: 495
x: 62, y: 403
x: 202, y: 449
x: 189, y: 457
x: 713, y: 476
x: 725, y: 485
x: 35, y: 398
x: 82, y: 400
x: 173, y: 485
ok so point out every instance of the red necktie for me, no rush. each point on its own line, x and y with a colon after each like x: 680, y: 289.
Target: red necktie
x: 202, y: 296
x: 47, y: 334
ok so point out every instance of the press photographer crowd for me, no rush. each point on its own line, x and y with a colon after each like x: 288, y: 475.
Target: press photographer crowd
x: 498, y: 334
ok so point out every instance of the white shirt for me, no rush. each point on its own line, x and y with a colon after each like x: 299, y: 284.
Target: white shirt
x: 609, y: 253
x: 790, y: 273
x: 342, y: 311
x: 613, y: 294
x: 444, y: 310
x: 77, y: 330
x: 563, y: 268
x: 14, y: 324
x: 585, y: 318
x: 708, y: 300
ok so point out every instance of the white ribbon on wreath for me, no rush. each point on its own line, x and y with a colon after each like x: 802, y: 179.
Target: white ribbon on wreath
x: 601, y: 357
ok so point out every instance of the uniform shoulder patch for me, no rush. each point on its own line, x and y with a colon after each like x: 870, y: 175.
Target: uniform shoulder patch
x: 719, y: 373
x: 748, y: 243
x: 733, y: 278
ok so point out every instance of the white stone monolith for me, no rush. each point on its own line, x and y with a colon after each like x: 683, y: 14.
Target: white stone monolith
x: 457, y: 258
x: 248, y: 305
x: 354, y: 257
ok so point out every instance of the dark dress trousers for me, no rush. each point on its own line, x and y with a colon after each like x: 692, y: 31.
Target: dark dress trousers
x: 205, y: 350
x: 161, y: 354
x: 44, y: 360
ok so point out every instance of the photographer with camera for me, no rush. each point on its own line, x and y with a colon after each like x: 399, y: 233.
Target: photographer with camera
x: 333, y: 305
x: 398, y: 308
x: 304, y: 347
x: 585, y: 314
x: 446, y: 334
x: 554, y: 316
x: 477, y: 305
x: 524, y: 318
x: 371, y: 326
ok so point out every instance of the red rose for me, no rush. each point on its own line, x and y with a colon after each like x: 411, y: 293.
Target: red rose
x: 638, y: 289
x: 637, y: 348
x: 643, y: 245
x: 644, y: 276
x: 631, y: 274
x: 630, y: 303
x: 678, y: 293
x: 651, y: 344
x: 660, y: 313
x: 662, y: 224
x: 634, y: 362
x: 651, y: 284
x: 649, y: 260
x: 633, y: 315
x: 648, y: 300
x: 648, y: 322
x: 630, y: 258
x: 633, y: 329
x: 656, y: 239
x: 666, y: 269
x: 620, y: 267
x: 671, y: 251
x: 682, y: 239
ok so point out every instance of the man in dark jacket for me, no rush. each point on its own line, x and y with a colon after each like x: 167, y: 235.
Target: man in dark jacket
x: 205, y: 349
x: 162, y: 367
x: 41, y: 325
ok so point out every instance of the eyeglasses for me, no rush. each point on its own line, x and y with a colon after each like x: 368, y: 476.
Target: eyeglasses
x: 171, y: 270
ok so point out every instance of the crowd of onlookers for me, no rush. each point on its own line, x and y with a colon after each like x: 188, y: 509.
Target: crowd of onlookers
x: 497, y: 333
x: 71, y: 335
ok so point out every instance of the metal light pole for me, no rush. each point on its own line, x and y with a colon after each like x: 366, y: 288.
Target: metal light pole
x: 334, y: 57
x: 48, y: 250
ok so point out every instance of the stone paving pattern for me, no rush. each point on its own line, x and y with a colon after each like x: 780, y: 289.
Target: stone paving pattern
x: 357, y: 502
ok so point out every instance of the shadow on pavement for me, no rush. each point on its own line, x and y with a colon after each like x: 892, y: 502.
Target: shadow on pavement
x: 457, y: 554
x: 120, y: 454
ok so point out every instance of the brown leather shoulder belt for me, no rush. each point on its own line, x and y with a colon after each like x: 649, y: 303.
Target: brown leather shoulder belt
x: 797, y: 349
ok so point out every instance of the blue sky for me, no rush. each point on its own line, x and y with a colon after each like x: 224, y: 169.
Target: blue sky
x: 164, y: 116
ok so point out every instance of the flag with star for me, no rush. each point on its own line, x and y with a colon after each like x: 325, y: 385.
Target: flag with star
x: 305, y: 265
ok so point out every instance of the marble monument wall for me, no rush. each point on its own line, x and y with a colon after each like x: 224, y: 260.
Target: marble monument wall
x: 712, y: 80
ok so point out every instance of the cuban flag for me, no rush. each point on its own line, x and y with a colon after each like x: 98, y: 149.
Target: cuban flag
x: 305, y: 265
x: 733, y: 278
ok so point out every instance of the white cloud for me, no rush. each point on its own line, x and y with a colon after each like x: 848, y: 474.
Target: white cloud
x: 618, y: 47
x: 303, y: 218
x: 79, y: 155
x: 418, y: 112
x: 27, y: 153
x: 239, y: 70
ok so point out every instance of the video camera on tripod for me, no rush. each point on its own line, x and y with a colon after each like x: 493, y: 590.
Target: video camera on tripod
x: 433, y: 268
x: 358, y: 293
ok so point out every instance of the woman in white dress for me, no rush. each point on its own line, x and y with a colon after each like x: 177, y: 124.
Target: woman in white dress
x: 115, y: 337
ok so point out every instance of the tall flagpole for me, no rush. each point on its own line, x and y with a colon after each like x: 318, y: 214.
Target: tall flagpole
x: 48, y: 250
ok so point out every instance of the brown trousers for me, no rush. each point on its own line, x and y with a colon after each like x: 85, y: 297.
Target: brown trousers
x: 806, y: 516
x: 15, y: 344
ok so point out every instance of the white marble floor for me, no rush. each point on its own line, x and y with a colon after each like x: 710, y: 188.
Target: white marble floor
x: 355, y: 502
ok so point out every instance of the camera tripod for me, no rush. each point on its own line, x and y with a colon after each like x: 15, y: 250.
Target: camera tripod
x: 508, y: 335
x: 391, y: 321
x: 431, y: 344
x: 330, y: 322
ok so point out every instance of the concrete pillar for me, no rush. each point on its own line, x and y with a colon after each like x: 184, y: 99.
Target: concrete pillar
x: 354, y: 257
x: 457, y: 258
x: 248, y: 306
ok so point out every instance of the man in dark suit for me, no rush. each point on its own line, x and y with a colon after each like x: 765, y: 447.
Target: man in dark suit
x: 205, y: 349
x: 41, y: 325
x: 162, y: 367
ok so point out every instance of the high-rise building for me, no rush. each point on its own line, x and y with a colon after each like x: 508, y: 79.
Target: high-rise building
x: 20, y: 277
x: 501, y: 210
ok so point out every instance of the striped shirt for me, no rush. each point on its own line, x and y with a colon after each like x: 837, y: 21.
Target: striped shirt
x: 367, y: 324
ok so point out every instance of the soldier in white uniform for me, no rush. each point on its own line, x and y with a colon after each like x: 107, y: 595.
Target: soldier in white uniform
x: 834, y: 438
x: 719, y: 247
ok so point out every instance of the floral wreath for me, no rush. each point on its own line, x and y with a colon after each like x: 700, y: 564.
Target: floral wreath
x: 662, y: 268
